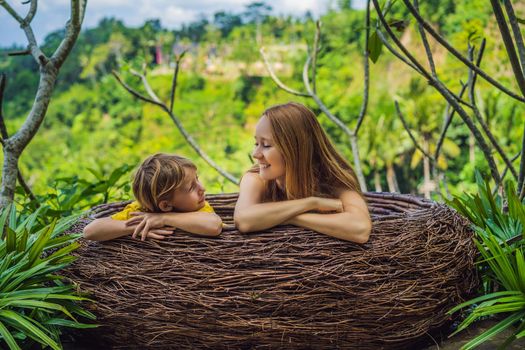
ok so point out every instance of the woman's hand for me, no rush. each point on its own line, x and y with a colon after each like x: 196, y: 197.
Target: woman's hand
x: 328, y: 205
x: 148, y: 225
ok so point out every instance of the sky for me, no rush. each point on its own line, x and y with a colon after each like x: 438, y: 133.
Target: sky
x: 53, y: 14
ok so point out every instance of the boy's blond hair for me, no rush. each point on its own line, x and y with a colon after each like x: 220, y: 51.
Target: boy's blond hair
x: 157, y: 178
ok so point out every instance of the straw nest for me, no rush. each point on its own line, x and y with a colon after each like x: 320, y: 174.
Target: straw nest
x: 283, y: 288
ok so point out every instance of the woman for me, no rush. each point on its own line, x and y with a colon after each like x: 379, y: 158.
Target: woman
x: 300, y: 179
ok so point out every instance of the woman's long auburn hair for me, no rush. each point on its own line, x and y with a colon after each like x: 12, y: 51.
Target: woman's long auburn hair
x: 313, y: 167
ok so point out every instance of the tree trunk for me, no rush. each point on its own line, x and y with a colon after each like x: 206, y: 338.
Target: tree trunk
x: 427, y: 182
x: 472, y: 149
x: 48, y: 68
x: 391, y: 178
x: 443, y: 179
x: 357, y: 163
x: 377, y: 181
x: 15, y: 145
x: 9, y: 174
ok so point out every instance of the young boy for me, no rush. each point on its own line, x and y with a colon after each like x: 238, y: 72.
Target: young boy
x: 168, y: 196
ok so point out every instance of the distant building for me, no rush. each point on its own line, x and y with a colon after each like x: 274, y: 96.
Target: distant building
x: 158, y: 55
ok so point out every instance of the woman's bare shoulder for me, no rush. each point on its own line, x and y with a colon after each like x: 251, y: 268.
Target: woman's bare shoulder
x: 353, y: 198
x: 250, y: 191
x: 252, y: 179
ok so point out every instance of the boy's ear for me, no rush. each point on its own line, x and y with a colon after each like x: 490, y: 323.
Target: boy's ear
x: 165, y: 206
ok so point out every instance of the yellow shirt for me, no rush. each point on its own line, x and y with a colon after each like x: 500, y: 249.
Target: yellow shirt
x: 125, y: 214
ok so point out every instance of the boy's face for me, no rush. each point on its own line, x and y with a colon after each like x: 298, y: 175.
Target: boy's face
x: 189, y: 196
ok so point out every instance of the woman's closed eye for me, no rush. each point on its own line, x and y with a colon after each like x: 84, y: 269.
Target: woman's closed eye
x: 263, y: 145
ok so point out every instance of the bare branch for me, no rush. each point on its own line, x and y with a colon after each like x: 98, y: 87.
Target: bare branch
x: 395, y: 52
x: 26, y: 188
x: 339, y: 123
x: 509, y: 44
x: 522, y: 192
x: 475, y: 131
x: 447, y: 94
x: 38, y: 55
x: 32, y: 11
x: 311, y: 63
x: 414, y: 62
x: 199, y: 151
x: 148, y: 88
x: 477, y: 113
x: 366, y: 73
x: 12, y: 12
x: 315, y: 51
x: 505, y: 173
x: 135, y: 92
x: 15, y: 145
x: 75, y: 13
x: 521, y: 51
x: 174, y: 81
x: 405, y: 125
x: 426, y: 45
x: 322, y: 106
x: 447, y: 123
x: 3, y: 129
x: 455, y: 52
x: 78, y: 8
x: 276, y: 80
x: 473, y: 75
x: 156, y: 101
x: 517, y: 33
x: 19, y: 53
x: 419, y: 68
x: 5, y: 136
x: 521, y: 176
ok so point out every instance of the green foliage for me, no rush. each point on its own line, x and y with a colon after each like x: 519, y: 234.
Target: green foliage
x: 508, y: 266
x: 70, y: 195
x: 502, y: 263
x: 486, y: 211
x: 374, y: 46
x: 34, y: 302
x: 92, y: 121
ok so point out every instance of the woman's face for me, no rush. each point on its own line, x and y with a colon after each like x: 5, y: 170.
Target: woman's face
x: 270, y: 159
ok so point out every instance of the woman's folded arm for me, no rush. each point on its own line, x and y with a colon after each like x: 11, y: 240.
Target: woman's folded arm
x: 353, y: 224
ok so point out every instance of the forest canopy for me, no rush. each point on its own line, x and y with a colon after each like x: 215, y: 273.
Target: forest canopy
x: 94, y: 126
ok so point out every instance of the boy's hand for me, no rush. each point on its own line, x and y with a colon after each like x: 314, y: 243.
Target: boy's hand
x: 148, y: 225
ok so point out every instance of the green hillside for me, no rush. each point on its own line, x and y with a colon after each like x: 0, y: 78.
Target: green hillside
x: 224, y: 87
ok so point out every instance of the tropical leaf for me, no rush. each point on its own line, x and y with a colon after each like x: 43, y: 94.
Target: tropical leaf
x: 3, y: 220
x: 68, y: 323
x: 33, y: 301
x: 502, y: 264
x: 9, y: 339
x: 374, y: 46
x: 29, y: 327
x: 498, y: 328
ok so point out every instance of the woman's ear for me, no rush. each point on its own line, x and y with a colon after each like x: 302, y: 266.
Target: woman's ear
x: 165, y: 206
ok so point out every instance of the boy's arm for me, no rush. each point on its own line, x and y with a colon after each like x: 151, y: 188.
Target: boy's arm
x: 105, y: 229
x: 197, y: 222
